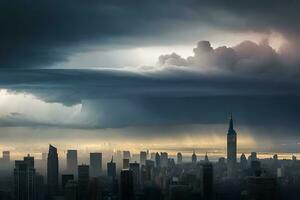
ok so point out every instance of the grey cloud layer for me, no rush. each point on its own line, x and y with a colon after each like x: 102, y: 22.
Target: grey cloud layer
x: 42, y: 33
x: 114, y: 98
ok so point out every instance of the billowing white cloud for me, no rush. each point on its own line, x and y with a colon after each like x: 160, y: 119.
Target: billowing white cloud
x: 247, y: 58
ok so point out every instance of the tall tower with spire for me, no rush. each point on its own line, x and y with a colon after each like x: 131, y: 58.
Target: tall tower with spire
x: 231, y: 148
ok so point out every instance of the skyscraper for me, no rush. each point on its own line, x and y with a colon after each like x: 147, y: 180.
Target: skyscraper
x: 143, y: 157
x: 111, y: 168
x: 157, y: 159
x: 24, y: 179
x: 135, y: 168
x: 207, y: 181
x: 126, y: 184
x: 194, y: 157
x: 6, y: 156
x: 72, y: 161
x: 164, y: 159
x: 95, y: 164
x: 243, y: 161
x: 65, y: 178
x: 231, y: 148
x: 126, y: 154
x: 179, y: 158
x: 83, y: 181
x: 125, y: 163
x: 52, y: 171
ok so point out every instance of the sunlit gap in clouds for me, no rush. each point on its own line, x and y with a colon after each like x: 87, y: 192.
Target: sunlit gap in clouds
x: 17, y: 109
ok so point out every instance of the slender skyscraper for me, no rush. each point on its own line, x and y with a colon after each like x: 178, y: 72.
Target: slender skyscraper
x: 194, y: 157
x: 135, y: 168
x: 231, y: 148
x: 127, y: 192
x: 83, y: 181
x: 111, y: 168
x: 95, y: 164
x: 52, y: 171
x: 207, y: 181
x: 72, y: 161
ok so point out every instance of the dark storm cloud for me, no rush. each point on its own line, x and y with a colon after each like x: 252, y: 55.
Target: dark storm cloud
x: 117, y: 98
x: 41, y: 33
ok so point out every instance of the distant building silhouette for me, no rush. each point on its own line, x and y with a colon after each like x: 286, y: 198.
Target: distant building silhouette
x: 206, y: 158
x: 72, y: 162
x: 111, y: 169
x: 194, y: 157
x: 125, y: 163
x: 157, y: 159
x: 243, y: 161
x: 179, y: 158
x: 143, y: 157
x: 135, y: 168
x: 164, y: 159
x: 95, y: 164
x: 24, y: 179
x: 6, y: 156
x: 126, y: 154
x: 52, y: 171
x: 252, y: 157
x: 231, y: 149
x: 127, y: 185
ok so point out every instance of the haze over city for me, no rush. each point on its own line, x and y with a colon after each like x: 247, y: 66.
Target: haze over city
x: 164, y: 77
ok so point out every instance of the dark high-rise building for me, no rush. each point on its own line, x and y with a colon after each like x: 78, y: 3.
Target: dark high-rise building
x: 39, y: 187
x: 127, y: 185
x: 231, y: 148
x: 135, y: 168
x: 71, y: 191
x: 83, y: 181
x: 24, y: 179
x: 157, y: 159
x: 65, y: 178
x: 243, y: 161
x: 194, y: 157
x: 52, y: 171
x: 149, y: 170
x: 111, y: 169
x: 125, y: 163
x: 143, y: 157
x: 207, y: 181
x: 179, y: 158
x: 72, y: 162
x: 164, y: 159
x: 95, y: 164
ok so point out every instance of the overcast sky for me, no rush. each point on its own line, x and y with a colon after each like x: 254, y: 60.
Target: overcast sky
x: 148, y: 65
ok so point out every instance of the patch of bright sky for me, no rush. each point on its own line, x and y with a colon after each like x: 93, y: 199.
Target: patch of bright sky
x: 23, y: 107
x: 148, y: 55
